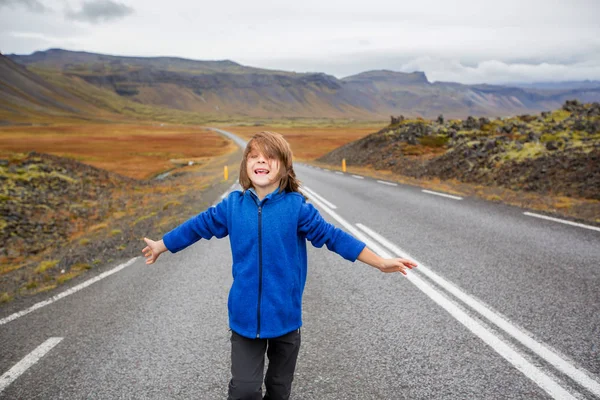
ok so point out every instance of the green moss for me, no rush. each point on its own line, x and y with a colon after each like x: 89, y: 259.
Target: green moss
x: 529, y: 150
x: 115, y: 232
x: 547, y: 137
x: 67, y: 277
x: 145, y: 217
x: 31, y: 285
x: 434, y: 141
x: 80, y: 267
x: 45, y: 265
x: 171, y: 203
x: 84, y: 242
x: 5, y: 298
x: 559, y: 115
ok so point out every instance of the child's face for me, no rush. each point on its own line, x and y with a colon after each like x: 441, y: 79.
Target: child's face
x: 263, y: 171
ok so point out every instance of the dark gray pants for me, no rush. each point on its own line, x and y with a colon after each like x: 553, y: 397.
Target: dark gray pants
x: 248, y: 363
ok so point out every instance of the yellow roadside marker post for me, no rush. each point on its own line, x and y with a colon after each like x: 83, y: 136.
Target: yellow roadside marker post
x: 226, y: 173
x: 343, y: 165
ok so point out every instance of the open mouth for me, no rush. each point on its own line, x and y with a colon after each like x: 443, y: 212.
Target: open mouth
x: 261, y: 171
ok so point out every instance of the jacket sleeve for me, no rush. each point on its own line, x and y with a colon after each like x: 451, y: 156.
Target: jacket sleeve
x: 212, y: 222
x: 320, y: 232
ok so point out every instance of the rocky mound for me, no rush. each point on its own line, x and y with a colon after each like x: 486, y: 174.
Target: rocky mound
x: 46, y: 199
x: 59, y: 217
x: 552, y: 153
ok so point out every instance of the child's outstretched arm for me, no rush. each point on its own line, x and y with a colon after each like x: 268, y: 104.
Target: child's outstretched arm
x: 153, y: 250
x: 385, y: 264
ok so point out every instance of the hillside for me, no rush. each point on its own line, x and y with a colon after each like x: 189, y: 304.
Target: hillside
x: 554, y: 153
x: 25, y: 97
x: 225, y: 89
x: 60, y: 218
x: 34, y: 95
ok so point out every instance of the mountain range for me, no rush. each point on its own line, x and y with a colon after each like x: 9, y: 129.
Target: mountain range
x: 95, y: 86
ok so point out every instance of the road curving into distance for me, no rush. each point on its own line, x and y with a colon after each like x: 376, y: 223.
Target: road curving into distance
x: 503, y: 306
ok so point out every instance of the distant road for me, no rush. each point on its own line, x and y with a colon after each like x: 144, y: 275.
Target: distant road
x: 502, y: 306
x: 239, y: 141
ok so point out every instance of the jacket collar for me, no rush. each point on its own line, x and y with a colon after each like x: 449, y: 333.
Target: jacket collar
x: 273, y: 196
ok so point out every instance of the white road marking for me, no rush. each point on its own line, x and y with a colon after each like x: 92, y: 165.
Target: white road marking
x: 562, y: 221
x: 358, y: 177
x: 339, y: 173
x: 388, y: 183
x: 325, y: 169
x: 17, y: 370
x: 580, y: 375
x: 74, y: 289
x: 313, y: 194
x: 502, y: 348
x: 442, y: 194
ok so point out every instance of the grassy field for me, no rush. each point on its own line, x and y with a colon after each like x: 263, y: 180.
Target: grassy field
x: 310, y: 142
x: 136, y: 151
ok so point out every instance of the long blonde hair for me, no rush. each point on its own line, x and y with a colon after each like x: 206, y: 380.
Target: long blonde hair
x: 271, y: 145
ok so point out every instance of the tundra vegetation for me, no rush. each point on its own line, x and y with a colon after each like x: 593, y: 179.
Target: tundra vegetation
x: 80, y: 197
x: 549, y: 162
x: 86, y: 140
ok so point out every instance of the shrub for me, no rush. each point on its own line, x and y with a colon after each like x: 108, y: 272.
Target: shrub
x: 5, y: 298
x: 45, y: 265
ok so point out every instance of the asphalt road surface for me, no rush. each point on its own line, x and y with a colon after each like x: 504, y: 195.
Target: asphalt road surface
x: 503, y: 305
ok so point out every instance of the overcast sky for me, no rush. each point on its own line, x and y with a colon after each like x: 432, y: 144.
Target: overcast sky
x: 467, y: 41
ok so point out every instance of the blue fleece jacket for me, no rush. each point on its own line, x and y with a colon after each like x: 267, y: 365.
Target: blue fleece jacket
x: 268, y: 246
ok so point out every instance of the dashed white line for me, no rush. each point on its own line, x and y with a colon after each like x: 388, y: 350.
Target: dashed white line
x: 562, y: 221
x: 339, y: 173
x: 442, y: 194
x: 358, y: 177
x: 388, y: 183
x: 17, y: 370
x: 59, y: 296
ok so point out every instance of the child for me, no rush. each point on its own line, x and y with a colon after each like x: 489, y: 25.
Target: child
x: 268, y: 224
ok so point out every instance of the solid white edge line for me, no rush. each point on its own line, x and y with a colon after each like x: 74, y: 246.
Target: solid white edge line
x: 388, y: 183
x: 503, y: 349
x: 578, y: 374
x: 442, y: 194
x: 313, y: 194
x: 358, y: 177
x: 74, y: 289
x: 17, y: 370
x: 339, y: 173
x: 562, y: 221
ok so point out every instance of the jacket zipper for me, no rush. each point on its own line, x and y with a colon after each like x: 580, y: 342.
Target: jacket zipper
x: 259, y: 270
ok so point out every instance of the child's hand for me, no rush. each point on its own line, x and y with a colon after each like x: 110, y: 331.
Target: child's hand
x: 153, y: 250
x: 396, y: 265
x: 385, y: 264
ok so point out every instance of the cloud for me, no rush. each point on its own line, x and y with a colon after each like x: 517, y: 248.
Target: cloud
x: 499, y: 72
x: 95, y: 11
x: 31, y: 5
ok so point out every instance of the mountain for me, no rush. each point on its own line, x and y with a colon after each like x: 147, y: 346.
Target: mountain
x: 26, y: 97
x: 225, y: 89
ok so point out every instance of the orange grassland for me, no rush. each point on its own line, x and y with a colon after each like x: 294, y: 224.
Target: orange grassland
x: 136, y: 151
x: 310, y: 143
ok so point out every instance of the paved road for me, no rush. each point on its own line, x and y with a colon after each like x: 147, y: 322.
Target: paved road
x: 503, y: 306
